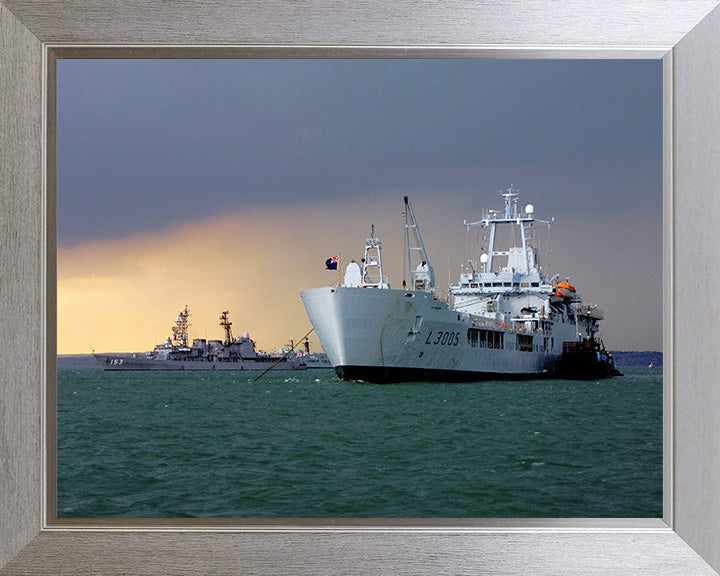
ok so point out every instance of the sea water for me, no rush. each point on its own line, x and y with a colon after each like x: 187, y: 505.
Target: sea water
x: 306, y: 444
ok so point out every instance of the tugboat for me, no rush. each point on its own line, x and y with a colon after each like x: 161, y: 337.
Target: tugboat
x: 176, y: 353
x: 585, y: 360
x: 504, y: 319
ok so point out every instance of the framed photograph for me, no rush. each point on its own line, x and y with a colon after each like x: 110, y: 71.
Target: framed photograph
x: 687, y: 531
x: 188, y: 181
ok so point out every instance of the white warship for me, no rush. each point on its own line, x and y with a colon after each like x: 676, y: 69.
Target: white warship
x: 176, y: 353
x: 502, y: 320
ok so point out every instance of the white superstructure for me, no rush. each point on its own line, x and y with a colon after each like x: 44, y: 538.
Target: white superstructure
x: 503, y: 319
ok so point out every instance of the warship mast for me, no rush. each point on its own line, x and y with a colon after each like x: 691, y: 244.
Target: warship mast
x: 226, y: 325
x: 180, y: 330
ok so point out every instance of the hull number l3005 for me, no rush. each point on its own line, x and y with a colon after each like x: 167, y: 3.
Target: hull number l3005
x: 443, y: 338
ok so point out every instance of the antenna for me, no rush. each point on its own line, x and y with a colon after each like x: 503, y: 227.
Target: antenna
x: 423, y: 276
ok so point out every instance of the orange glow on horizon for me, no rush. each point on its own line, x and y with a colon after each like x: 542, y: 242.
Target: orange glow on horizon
x: 123, y: 295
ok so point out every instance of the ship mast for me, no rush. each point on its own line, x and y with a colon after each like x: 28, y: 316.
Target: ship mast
x: 372, y: 268
x: 423, y: 275
x: 524, y: 258
x: 180, y: 330
x: 226, y: 325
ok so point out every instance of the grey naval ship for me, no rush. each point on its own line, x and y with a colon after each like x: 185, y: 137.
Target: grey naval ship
x: 502, y: 320
x: 176, y: 353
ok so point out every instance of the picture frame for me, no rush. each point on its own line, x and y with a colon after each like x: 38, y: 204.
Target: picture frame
x: 683, y: 33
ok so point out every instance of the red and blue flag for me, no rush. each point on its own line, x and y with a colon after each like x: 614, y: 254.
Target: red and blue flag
x: 331, y: 263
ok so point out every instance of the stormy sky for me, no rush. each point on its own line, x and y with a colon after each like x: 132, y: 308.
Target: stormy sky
x: 227, y: 183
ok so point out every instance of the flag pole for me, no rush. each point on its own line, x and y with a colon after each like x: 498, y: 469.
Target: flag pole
x: 339, y: 254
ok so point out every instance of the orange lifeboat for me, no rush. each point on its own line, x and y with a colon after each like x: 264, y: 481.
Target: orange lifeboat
x: 564, y: 290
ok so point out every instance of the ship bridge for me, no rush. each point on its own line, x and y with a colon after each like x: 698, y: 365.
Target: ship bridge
x: 507, y: 277
x: 515, y: 268
x: 500, y: 282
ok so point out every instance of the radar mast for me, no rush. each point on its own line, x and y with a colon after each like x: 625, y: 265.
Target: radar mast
x: 226, y: 325
x: 180, y: 335
x: 523, y: 259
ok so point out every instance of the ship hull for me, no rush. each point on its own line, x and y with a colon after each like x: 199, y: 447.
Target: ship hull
x: 140, y: 362
x: 385, y: 335
x: 388, y: 375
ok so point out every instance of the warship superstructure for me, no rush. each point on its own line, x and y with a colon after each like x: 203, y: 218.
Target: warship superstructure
x: 177, y: 353
x: 503, y: 319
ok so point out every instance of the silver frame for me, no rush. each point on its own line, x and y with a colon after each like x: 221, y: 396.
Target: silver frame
x: 683, y: 32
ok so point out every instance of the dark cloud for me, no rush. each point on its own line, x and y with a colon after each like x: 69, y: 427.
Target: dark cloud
x: 144, y: 144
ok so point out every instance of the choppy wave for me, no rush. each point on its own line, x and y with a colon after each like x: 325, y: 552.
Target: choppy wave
x: 182, y: 444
